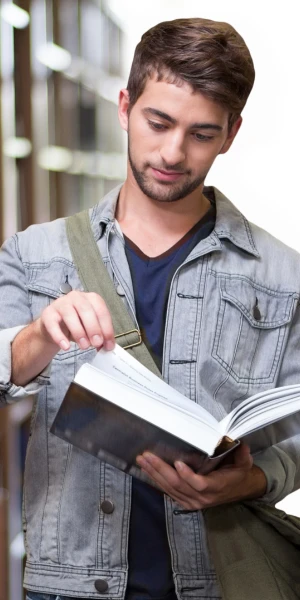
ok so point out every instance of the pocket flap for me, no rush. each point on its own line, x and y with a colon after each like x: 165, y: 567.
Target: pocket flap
x: 263, y: 308
x: 48, y: 279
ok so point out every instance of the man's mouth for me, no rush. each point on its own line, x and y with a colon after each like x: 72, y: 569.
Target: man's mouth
x: 163, y: 175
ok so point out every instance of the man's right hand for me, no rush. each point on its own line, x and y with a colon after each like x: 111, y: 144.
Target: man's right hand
x: 81, y: 317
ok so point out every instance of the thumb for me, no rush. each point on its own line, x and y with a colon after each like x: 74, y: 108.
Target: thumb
x: 242, y: 457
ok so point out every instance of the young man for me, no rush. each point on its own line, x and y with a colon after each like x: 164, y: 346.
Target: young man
x: 216, y: 299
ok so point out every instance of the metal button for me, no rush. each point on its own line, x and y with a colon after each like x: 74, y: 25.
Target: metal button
x: 101, y: 585
x: 120, y: 290
x: 256, y: 311
x: 107, y: 506
x: 65, y: 287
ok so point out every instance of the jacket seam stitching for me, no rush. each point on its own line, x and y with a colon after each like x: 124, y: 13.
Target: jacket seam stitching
x: 60, y: 502
x: 263, y: 288
x: 48, y: 263
x: 98, y: 548
x: 267, y: 379
x: 47, y: 493
x: 249, y: 233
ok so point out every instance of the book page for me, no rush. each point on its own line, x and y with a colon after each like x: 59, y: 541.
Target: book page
x: 120, y: 365
x: 262, y: 409
x: 268, y: 417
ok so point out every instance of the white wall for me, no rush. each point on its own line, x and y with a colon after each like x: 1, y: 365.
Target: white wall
x: 260, y: 173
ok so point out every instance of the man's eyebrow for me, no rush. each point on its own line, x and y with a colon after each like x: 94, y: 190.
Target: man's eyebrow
x: 158, y: 113
x: 207, y: 126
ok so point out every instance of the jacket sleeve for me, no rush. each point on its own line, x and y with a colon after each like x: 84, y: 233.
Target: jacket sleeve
x: 14, y: 315
x: 281, y: 462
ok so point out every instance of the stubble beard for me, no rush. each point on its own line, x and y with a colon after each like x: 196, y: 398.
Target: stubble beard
x: 164, y: 191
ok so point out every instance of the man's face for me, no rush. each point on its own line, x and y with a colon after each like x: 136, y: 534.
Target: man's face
x: 174, y: 136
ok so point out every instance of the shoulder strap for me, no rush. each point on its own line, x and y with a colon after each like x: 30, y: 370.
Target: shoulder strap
x: 95, y: 278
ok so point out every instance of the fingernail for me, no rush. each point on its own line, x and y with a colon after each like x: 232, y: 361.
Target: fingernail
x: 179, y: 465
x: 97, y: 340
x: 64, y: 345
x: 148, y: 457
x: 83, y: 343
x: 109, y: 345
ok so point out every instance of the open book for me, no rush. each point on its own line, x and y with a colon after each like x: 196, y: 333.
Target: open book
x: 116, y: 409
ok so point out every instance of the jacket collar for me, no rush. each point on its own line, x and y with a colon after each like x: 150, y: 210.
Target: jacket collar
x: 230, y: 223
x: 103, y: 213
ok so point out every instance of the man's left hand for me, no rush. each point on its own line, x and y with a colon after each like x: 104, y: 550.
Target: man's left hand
x: 239, y: 481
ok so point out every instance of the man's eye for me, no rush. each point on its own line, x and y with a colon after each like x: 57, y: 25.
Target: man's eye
x: 202, y: 138
x: 157, y: 126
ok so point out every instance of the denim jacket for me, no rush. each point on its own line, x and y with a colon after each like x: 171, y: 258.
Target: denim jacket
x: 216, y: 352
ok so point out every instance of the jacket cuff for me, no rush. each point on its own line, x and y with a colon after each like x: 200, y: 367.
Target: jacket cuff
x: 9, y: 392
x: 279, y: 470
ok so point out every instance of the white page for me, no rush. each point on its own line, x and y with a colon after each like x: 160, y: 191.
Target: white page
x: 183, y: 426
x: 267, y: 418
x: 121, y: 365
x: 261, y: 399
x: 261, y: 410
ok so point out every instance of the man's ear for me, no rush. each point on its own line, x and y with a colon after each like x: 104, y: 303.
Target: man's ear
x: 231, y: 135
x: 123, y: 108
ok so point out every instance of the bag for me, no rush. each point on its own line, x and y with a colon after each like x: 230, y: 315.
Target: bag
x: 255, y: 549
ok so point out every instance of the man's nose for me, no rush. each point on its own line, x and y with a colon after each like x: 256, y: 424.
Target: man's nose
x: 173, y: 151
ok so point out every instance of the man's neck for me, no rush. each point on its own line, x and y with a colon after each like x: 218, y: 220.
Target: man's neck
x: 156, y: 226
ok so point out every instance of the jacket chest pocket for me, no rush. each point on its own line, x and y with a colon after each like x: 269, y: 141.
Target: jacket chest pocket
x: 44, y: 288
x: 251, y: 329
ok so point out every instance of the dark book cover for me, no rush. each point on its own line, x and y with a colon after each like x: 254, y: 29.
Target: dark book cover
x: 117, y: 436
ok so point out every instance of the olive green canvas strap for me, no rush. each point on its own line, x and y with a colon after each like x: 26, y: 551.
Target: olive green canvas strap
x: 95, y: 278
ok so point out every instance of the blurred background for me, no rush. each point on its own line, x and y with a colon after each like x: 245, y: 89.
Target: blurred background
x: 62, y: 63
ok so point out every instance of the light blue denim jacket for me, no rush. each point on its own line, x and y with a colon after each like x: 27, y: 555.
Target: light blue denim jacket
x: 215, y: 352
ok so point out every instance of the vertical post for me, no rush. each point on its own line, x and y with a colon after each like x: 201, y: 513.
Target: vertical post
x: 4, y: 567
x: 1, y: 163
x: 22, y: 79
x: 56, y: 177
x: 3, y: 545
x: 4, y: 562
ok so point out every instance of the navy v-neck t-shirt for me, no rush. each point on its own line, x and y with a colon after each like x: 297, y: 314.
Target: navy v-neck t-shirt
x: 150, y: 572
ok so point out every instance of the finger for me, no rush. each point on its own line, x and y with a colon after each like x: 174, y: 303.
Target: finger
x: 165, y: 476
x: 180, y: 499
x: 62, y: 320
x: 196, y: 481
x: 71, y: 317
x: 91, y: 323
x: 51, y: 322
x: 104, y: 317
x: 177, y: 496
x: 209, y: 486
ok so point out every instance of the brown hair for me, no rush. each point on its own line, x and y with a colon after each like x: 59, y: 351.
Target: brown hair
x: 209, y: 55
